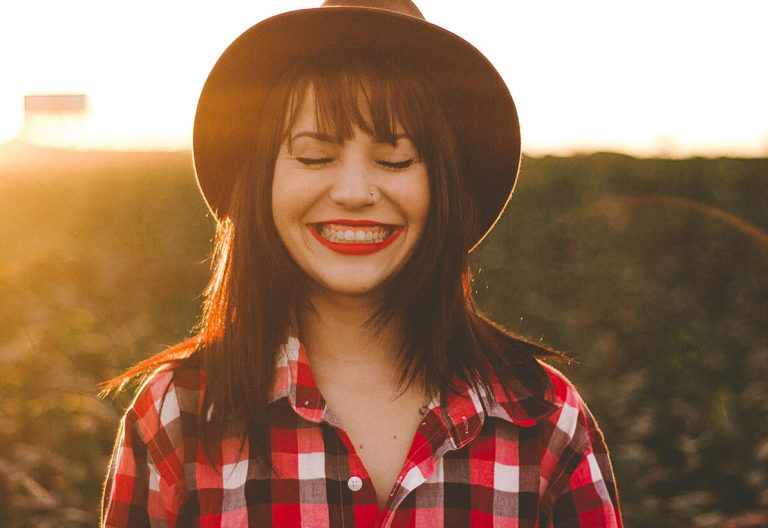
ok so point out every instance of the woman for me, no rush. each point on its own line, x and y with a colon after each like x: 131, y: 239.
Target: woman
x: 342, y: 376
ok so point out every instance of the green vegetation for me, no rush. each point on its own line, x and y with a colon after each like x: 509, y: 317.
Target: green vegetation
x: 651, y: 274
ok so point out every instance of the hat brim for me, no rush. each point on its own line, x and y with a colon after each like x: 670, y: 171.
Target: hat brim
x: 476, y: 99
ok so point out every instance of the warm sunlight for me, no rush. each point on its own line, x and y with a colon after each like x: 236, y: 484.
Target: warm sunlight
x: 631, y: 260
x: 658, y: 78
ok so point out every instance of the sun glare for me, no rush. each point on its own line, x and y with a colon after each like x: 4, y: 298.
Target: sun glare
x: 670, y: 78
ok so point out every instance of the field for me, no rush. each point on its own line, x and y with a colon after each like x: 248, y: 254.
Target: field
x: 650, y: 274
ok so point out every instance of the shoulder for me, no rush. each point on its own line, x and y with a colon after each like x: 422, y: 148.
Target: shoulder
x: 572, y: 417
x: 563, y: 391
x: 558, y: 405
x: 560, y: 427
x: 146, y: 481
x: 575, y: 447
x: 168, y: 397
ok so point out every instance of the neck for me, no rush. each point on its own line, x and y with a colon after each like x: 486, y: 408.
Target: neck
x: 341, y: 342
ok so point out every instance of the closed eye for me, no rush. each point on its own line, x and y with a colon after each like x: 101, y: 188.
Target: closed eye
x: 314, y: 162
x: 396, y: 165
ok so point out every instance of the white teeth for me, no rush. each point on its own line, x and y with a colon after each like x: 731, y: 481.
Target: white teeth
x: 357, y: 236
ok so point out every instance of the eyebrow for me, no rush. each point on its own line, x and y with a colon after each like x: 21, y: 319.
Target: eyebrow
x: 326, y: 138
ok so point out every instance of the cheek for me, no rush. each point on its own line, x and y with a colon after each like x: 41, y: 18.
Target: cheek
x: 281, y: 204
x: 419, y: 200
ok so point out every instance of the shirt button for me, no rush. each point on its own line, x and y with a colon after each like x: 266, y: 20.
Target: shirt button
x: 355, y: 483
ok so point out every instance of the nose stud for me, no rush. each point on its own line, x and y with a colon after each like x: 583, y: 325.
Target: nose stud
x: 373, y: 198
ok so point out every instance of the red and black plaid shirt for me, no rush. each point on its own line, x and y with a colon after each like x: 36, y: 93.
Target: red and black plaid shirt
x: 518, y: 464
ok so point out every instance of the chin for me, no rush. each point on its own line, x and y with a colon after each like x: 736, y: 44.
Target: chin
x: 347, y: 288
x: 353, y: 290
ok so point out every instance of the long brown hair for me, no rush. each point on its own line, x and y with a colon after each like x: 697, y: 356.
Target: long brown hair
x: 256, y: 287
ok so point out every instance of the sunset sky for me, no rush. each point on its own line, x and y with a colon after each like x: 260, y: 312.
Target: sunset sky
x: 677, y: 77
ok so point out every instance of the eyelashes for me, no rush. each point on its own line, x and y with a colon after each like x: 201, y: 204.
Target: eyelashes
x: 396, y: 165
x: 314, y: 162
x: 390, y: 165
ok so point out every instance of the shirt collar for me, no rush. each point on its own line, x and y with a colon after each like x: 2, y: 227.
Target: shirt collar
x: 294, y: 380
x: 464, y: 407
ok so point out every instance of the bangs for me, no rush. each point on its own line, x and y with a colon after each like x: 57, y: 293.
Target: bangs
x: 359, y: 90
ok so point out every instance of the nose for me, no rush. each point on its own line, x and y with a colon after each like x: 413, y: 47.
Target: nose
x: 353, y: 186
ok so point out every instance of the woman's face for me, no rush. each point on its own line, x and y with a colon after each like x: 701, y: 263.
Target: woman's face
x: 350, y: 214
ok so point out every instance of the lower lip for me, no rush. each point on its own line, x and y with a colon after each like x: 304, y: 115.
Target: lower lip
x: 352, y: 248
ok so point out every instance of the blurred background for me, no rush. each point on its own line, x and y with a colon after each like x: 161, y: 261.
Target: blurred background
x: 636, y: 242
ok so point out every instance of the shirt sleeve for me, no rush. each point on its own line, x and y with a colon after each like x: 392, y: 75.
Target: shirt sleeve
x: 145, y: 482
x: 588, y: 497
x: 126, y: 490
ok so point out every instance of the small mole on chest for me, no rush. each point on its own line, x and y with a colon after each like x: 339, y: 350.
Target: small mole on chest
x: 360, y: 446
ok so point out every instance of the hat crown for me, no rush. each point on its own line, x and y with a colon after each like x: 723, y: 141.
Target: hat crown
x: 404, y: 7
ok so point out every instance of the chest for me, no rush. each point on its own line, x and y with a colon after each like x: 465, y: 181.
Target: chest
x: 318, y: 468
x: 380, y: 434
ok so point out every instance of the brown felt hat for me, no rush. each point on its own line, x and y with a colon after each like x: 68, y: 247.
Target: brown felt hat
x: 475, y: 98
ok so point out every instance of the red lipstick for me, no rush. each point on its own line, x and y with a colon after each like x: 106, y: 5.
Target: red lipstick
x: 352, y: 247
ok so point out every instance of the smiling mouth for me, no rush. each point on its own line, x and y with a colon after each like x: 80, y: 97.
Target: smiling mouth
x: 355, y: 237
x: 348, y: 234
